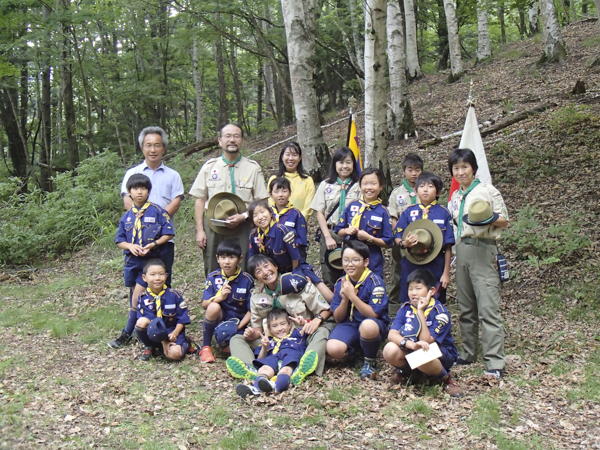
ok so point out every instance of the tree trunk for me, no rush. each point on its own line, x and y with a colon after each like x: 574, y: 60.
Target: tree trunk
x: 412, y: 52
x: 198, y: 89
x: 357, y: 39
x: 45, y: 113
x: 223, y: 106
x: 522, y: 26
x: 88, y: 103
x: 597, y: 2
x: 376, y: 131
x: 565, y: 8
x: 442, y: 32
x: 456, y: 65
x: 534, y: 17
x: 67, y: 88
x: 484, y: 47
x: 554, y: 47
x: 259, y: 95
x: 299, y: 18
x: 17, y: 150
x: 502, y: 22
x: 237, y: 84
x: 400, y: 120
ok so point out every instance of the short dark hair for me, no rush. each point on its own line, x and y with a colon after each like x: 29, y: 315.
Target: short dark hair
x: 275, y: 314
x: 264, y: 203
x: 428, y: 177
x: 421, y: 276
x: 153, y: 262
x: 226, y: 125
x: 258, y: 260
x: 359, y: 247
x: 340, y: 154
x: 278, y: 183
x: 294, y: 146
x: 463, y: 155
x: 371, y: 171
x: 229, y: 247
x: 412, y: 159
x: 139, y: 180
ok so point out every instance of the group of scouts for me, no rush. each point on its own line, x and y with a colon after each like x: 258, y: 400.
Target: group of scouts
x: 264, y: 303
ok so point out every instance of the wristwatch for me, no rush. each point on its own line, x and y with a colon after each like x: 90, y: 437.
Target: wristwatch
x: 245, y: 214
x: 318, y: 316
x: 403, y: 344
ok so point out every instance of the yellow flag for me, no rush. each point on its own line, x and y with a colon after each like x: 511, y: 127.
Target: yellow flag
x: 353, y: 144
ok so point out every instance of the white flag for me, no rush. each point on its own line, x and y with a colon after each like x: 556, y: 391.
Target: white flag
x: 472, y: 139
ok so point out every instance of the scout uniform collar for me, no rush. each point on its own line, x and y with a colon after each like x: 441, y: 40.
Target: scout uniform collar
x: 343, y: 191
x: 137, y: 226
x: 425, y: 209
x: 274, y: 294
x: 228, y: 279
x: 261, y: 235
x: 461, y: 198
x: 411, y: 192
x: 281, y: 213
x: 365, y: 206
x: 360, y: 281
x: 410, y: 331
x: 230, y: 165
x: 279, y: 341
x: 157, y: 299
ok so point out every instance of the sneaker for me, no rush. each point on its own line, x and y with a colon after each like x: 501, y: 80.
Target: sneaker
x: 244, y: 391
x: 239, y: 369
x: 462, y: 362
x: 402, y: 377
x: 158, y: 351
x: 192, y: 347
x: 122, y: 340
x: 307, y: 365
x: 451, y: 387
x: 369, y: 369
x: 497, y: 374
x: 266, y: 385
x: 146, y: 355
x: 206, y: 355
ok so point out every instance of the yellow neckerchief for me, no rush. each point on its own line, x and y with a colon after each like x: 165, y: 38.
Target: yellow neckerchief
x: 278, y: 214
x: 279, y: 341
x: 231, y: 278
x: 262, y: 235
x: 137, y: 226
x: 364, y: 206
x: 425, y: 209
x: 425, y: 313
x: 156, y: 298
x: 360, y: 281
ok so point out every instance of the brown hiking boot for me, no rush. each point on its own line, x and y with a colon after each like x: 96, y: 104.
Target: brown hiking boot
x: 451, y: 387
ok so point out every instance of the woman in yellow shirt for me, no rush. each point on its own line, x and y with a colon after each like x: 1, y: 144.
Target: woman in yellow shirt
x: 303, y: 186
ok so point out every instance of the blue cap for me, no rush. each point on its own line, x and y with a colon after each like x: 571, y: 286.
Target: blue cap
x: 225, y: 331
x: 157, y: 330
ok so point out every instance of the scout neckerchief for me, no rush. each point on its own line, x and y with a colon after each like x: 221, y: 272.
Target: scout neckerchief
x: 137, y: 226
x: 360, y: 281
x: 275, y: 294
x: 343, y: 193
x: 425, y: 209
x: 425, y: 313
x: 262, y: 235
x: 229, y: 279
x: 461, y: 198
x: 279, y: 341
x: 230, y: 165
x: 411, y: 192
x: 278, y: 214
x: 156, y: 298
x: 364, y: 206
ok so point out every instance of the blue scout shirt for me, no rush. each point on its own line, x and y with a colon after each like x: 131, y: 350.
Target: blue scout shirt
x: 372, y: 292
x: 173, y: 307
x: 237, y: 303
x: 438, y: 320
x: 156, y: 222
x: 280, y: 244
x: 294, y: 219
x: 375, y: 221
x: 295, y: 341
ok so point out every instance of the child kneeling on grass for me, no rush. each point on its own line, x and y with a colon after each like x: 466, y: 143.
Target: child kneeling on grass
x: 420, y: 322
x: 159, y: 301
x: 284, y: 349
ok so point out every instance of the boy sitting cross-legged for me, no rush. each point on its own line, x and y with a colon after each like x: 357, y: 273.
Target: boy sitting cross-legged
x: 285, y: 349
x: 420, y: 322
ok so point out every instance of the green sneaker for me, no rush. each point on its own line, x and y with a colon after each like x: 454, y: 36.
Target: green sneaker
x: 239, y: 369
x: 307, y: 365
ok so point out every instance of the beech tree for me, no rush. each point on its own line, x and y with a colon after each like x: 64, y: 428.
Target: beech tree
x: 456, y: 65
x: 554, y: 46
x: 484, y: 47
x: 412, y: 52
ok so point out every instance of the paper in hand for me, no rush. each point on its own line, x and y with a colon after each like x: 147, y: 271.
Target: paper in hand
x: 420, y: 357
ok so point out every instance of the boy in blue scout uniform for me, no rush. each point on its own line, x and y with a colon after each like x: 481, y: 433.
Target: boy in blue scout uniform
x: 368, y: 220
x: 160, y: 301
x: 421, y: 321
x: 437, y: 258
x: 286, y: 214
x: 359, y: 306
x: 141, y: 231
x: 279, y: 355
x: 226, y: 298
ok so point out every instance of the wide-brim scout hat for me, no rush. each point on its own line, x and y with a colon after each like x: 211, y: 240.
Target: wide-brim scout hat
x: 157, y: 330
x: 333, y: 258
x: 225, y: 331
x: 221, y: 206
x: 480, y: 213
x: 430, y: 242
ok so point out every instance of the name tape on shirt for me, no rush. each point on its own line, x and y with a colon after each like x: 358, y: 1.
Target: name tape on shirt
x: 241, y: 290
x: 377, y: 218
x: 439, y: 221
x: 170, y: 306
x: 290, y: 224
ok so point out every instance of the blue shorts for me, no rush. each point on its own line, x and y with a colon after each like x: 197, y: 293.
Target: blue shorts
x: 228, y: 315
x: 288, y: 357
x: 133, y: 269
x: 348, y: 333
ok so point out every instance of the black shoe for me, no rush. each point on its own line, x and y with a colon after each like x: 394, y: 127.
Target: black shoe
x: 146, y: 355
x: 121, y: 341
x: 462, y: 362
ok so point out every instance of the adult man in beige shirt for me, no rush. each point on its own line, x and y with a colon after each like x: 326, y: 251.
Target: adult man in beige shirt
x: 233, y: 173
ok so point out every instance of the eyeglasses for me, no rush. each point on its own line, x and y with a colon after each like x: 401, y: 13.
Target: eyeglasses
x: 154, y: 146
x: 234, y: 136
x: 354, y: 261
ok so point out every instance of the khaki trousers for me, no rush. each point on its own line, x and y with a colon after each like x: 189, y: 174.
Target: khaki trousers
x: 209, y: 255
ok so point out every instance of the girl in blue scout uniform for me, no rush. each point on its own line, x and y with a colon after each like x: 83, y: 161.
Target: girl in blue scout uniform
x: 160, y: 301
x: 429, y: 187
x: 421, y: 321
x: 359, y: 306
x: 142, y: 230
x: 368, y: 220
x: 285, y: 349
x: 280, y: 243
x: 226, y: 298
x: 286, y: 214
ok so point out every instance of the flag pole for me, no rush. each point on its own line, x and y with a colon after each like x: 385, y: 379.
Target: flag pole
x: 349, y: 128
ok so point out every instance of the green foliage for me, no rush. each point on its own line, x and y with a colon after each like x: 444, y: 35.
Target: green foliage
x: 82, y: 209
x: 579, y: 297
x: 570, y: 119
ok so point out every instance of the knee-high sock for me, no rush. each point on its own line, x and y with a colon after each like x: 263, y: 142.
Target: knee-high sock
x: 282, y: 382
x: 259, y: 376
x: 208, y: 329
x: 132, y: 318
x: 370, y: 346
x: 442, y: 374
x: 142, y: 334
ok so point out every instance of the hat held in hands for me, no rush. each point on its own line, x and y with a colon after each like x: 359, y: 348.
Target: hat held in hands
x: 430, y: 241
x: 480, y: 213
x: 220, y: 207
